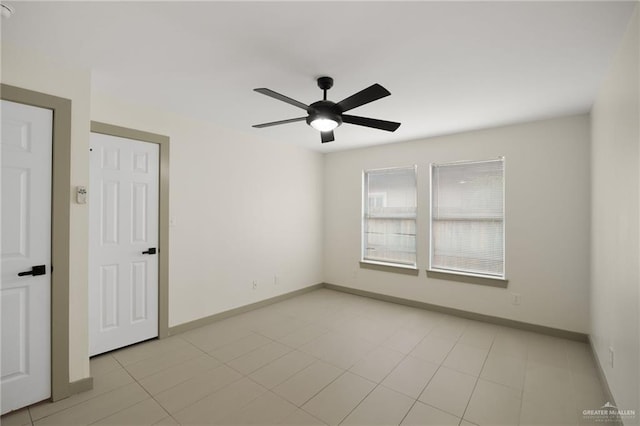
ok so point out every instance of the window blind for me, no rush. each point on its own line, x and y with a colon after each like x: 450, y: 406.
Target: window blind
x: 467, y: 217
x: 389, y: 216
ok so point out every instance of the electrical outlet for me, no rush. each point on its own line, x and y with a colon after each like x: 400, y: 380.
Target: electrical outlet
x: 276, y: 281
x: 515, y: 298
x: 611, y: 356
x: 255, y: 284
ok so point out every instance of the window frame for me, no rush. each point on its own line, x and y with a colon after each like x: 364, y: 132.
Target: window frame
x: 454, y: 272
x: 364, y: 262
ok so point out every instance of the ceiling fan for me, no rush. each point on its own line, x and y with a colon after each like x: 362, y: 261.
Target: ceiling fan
x: 325, y: 115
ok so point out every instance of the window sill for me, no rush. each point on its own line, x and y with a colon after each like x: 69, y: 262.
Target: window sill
x: 390, y: 267
x: 468, y: 278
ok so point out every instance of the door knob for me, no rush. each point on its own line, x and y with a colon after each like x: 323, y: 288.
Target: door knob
x: 35, y: 270
x: 152, y: 250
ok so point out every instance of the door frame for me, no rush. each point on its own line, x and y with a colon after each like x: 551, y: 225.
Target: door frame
x: 61, y: 387
x: 163, y: 211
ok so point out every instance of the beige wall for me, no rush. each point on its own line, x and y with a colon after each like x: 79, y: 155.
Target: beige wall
x: 615, y: 225
x: 30, y: 70
x: 547, y: 221
x: 243, y: 210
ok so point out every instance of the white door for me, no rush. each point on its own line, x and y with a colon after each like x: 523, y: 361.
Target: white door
x: 123, y: 260
x: 25, y: 291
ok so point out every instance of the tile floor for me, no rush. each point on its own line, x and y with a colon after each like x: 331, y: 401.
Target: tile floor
x: 329, y: 358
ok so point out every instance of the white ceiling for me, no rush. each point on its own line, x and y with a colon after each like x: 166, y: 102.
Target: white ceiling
x: 450, y: 66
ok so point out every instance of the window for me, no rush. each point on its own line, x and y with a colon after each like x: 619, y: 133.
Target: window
x: 467, y: 218
x: 389, y: 217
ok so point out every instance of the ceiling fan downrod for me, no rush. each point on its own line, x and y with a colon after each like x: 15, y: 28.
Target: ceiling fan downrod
x: 325, y: 83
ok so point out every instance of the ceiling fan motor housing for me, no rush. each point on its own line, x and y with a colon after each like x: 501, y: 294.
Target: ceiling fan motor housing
x: 324, y: 109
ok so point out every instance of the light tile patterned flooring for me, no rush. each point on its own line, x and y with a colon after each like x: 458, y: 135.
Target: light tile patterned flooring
x: 329, y: 358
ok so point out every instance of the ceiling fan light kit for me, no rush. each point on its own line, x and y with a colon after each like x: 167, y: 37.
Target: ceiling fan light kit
x: 326, y: 115
x: 322, y: 123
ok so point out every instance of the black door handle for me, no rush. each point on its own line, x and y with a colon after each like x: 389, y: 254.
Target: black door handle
x: 152, y: 250
x: 35, y: 270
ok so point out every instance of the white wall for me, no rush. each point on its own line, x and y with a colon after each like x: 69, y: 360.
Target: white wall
x: 615, y: 226
x: 33, y: 71
x: 244, y: 210
x: 547, y: 221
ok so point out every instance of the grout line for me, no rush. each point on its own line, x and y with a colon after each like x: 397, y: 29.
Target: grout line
x: 524, y: 380
x: 149, y: 393
x: 122, y: 409
x: 220, y: 326
x: 384, y: 377
x: 270, y: 363
x: 206, y: 396
x: 305, y: 411
x: 30, y: 416
x: 324, y: 387
x: 378, y: 384
x: 190, y: 358
x: 159, y: 404
x: 119, y: 363
x: 434, y: 373
x: 358, y: 404
x: 244, y: 353
x: 139, y: 345
x: 475, y: 385
x: 259, y: 347
x: 77, y: 403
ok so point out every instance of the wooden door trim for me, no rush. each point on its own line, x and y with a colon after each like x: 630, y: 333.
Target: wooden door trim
x: 163, y: 212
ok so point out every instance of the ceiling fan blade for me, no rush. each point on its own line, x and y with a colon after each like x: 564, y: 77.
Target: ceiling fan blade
x: 327, y: 136
x: 282, y: 98
x: 390, y: 126
x: 370, y: 94
x: 275, y: 123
